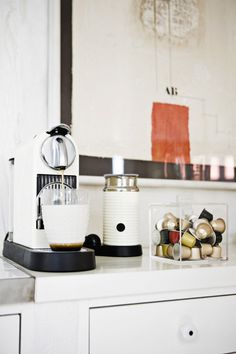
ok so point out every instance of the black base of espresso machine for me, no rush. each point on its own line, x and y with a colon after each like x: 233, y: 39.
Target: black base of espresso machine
x: 46, y: 260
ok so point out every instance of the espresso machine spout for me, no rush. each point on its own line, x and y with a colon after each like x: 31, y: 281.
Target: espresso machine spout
x: 59, y: 154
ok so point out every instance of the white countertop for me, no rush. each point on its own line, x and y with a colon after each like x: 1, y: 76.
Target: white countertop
x: 15, y: 285
x: 9, y: 271
x: 139, y: 276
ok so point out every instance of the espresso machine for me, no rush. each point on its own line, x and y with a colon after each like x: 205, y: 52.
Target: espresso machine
x: 49, y: 160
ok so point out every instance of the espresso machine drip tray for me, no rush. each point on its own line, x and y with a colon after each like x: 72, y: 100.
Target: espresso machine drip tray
x: 46, y: 260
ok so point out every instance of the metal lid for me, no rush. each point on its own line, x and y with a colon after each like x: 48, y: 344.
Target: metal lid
x: 119, y: 182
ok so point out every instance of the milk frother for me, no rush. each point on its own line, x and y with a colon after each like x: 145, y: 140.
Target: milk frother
x: 120, y: 210
x: 120, y: 218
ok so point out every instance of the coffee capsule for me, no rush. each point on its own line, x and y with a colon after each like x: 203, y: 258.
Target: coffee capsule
x: 174, y: 236
x: 198, y: 243
x: 218, y: 225
x: 206, y: 215
x: 183, y: 224
x: 216, y: 252
x: 159, y: 251
x: 211, y: 239
x: 181, y: 252
x: 195, y: 253
x: 170, y: 216
x: 192, y: 218
x: 164, y: 249
x: 188, y: 240
x: 156, y: 237
x: 192, y: 231
x: 170, y: 224
x: 200, y: 221
x: 203, y: 230
x: 159, y: 237
x: 164, y: 236
x: 170, y: 251
x: 159, y: 224
x: 219, y: 237
x: 206, y: 250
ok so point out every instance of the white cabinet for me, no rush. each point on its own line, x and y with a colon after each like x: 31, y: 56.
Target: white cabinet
x: 203, y: 325
x: 10, y: 334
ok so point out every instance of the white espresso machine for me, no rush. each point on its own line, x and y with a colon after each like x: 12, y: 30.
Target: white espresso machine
x: 37, y: 165
x: 49, y: 160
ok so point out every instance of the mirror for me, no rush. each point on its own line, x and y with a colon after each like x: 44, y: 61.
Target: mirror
x: 153, y: 83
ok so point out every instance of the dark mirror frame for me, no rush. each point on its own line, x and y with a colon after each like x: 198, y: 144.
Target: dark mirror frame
x: 98, y: 166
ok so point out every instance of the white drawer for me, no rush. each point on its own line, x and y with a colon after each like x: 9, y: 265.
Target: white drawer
x: 201, y: 326
x: 10, y: 334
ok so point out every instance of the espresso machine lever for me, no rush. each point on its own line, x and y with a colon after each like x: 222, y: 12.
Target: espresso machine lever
x: 61, y: 129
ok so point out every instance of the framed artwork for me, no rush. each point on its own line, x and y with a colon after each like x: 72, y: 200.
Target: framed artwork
x: 153, y: 84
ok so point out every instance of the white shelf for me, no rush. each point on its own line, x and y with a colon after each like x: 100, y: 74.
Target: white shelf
x: 165, y: 183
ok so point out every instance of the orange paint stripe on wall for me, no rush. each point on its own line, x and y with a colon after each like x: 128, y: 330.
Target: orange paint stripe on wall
x: 170, y: 133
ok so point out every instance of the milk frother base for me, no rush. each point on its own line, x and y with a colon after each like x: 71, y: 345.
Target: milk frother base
x: 119, y: 251
x: 93, y: 241
x: 46, y: 260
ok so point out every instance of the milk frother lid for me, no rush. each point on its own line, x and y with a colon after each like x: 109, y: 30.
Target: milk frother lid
x: 117, y: 182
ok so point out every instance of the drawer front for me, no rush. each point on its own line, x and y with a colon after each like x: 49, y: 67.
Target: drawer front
x: 206, y: 325
x: 10, y: 334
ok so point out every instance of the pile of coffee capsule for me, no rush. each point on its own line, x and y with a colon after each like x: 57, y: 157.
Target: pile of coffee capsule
x: 189, y: 238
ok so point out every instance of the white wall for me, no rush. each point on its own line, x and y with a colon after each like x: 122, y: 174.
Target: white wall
x: 121, y: 68
x: 24, y: 72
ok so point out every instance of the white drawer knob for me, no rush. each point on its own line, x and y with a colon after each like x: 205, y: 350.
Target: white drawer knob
x: 188, y: 332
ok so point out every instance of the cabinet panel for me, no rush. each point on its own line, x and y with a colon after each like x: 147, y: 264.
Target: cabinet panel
x: 205, y: 325
x: 9, y: 334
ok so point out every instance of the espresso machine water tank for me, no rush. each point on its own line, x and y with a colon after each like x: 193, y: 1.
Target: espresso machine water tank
x: 50, y: 157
